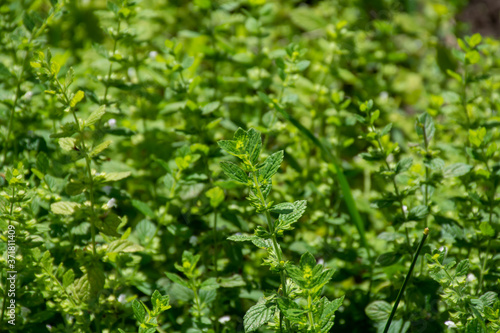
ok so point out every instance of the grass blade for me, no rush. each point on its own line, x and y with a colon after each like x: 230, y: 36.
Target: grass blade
x: 401, y: 291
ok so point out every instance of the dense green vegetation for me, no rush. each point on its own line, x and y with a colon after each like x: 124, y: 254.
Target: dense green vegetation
x: 248, y: 165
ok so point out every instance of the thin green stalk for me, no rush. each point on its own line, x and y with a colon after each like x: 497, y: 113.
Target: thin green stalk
x: 215, y: 243
x: 483, y: 268
x: 87, y: 162
x: 401, y: 291
x: 115, y: 44
x: 276, y: 247
x: 310, y: 312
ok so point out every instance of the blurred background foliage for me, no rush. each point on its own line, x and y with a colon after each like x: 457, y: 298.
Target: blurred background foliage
x: 177, y: 76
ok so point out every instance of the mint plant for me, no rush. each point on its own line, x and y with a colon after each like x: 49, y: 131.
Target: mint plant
x: 297, y: 282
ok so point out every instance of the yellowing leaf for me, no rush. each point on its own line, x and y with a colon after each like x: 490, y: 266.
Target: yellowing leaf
x: 77, y: 98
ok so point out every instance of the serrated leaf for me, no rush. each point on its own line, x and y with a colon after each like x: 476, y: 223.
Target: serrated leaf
x: 67, y: 144
x: 64, y: 207
x: 258, y: 315
x: 271, y: 165
x: 456, y: 170
x: 283, y: 208
x: 418, y: 212
x: 253, y: 145
x: 234, y: 172
x: 209, y: 284
x: 404, y: 164
x: 123, y: 245
x: 462, y: 268
x: 425, y: 126
x: 241, y: 238
x: 378, y: 310
x: 114, y: 176
x: 97, y: 150
x: 139, y: 311
x: 229, y: 146
x: 77, y: 98
x: 68, y: 278
x: 285, y: 221
x: 95, y: 116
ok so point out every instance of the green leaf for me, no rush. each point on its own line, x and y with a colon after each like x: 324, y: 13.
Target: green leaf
x: 230, y: 146
x: 242, y: 238
x: 109, y: 225
x: 474, y: 40
x: 97, y: 150
x: 234, y: 172
x: 258, y: 315
x: 177, y: 279
x: 216, y: 196
x: 95, y: 116
x: 271, y: 165
x: 283, y: 208
x: 388, y: 258
x: 425, y: 126
x: 64, y: 207
x: 475, y: 326
x: 67, y: 144
x: 77, y: 98
x: 210, y: 107
x: 418, y: 212
x: 160, y: 303
x: 68, y: 278
x: 143, y: 208
x: 232, y: 281
x: 209, y: 284
x: 456, y: 170
x: 486, y: 229
x: 124, y: 246
x: 42, y: 162
x: 404, y: 164
x: 462, y: 268
x: 285, y: 221
x: 139, y: 311
x: 378, y: 310
x: 114, y: 176
x: 253, y: 144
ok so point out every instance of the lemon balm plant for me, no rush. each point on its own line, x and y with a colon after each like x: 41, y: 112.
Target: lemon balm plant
x: 297, y: 306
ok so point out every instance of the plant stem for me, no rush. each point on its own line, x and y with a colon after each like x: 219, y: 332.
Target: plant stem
x: 105, y: 99
x: 401, y: 291
x: 483, y: 268
x: 276, y: 247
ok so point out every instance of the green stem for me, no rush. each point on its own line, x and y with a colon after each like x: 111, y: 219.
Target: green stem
x: 215, y: 243
x: 111, y: 63
x: 310, y: 312
x: 276, y: 247
x: 483, y: 268
x: 401, y: 291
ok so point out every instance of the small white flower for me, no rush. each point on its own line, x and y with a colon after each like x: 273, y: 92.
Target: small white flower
x: 224, y: 319
x: 405, y: 209
x: 450, y: 324
x: 471, y: 277
x: 193, y: 240
x: 321, y: 261
x: 112, y: 122
x: 122, y: 298
x: 153, y: 54
x: 28, y: 95
x: 111, y: 203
